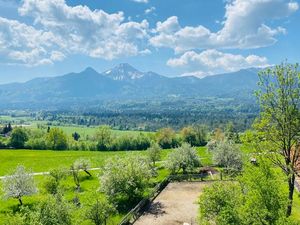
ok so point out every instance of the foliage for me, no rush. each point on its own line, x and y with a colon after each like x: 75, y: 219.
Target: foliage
x: 52, y: 184
x: 99, y: 212
x: 56, y: 139
x: 218, y: 135
x: 20, y: 183
x: 54, y: 211
x: 184, y: 157
x: 18, y: 137
x: 166, y: 138
x: 228, y: 156
x: 76, y: 136
x: 218, y: 204
x: 257, y: 198
x: 154, y: 153
x: 201, y: 134
x: 264, y: 196
x: 103, y: 137
x: 124, y: 180
x: 188, y: 135
x: 279, y: 121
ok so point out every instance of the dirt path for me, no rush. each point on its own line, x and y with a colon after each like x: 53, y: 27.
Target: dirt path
x: 177, y: 204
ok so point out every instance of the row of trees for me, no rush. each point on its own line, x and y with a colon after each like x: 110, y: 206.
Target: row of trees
x: 103, y: 139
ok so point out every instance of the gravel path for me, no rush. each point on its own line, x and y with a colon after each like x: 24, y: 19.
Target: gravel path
x: 176, y: 204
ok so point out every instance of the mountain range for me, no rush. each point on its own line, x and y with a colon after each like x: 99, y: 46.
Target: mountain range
x: 124, y: 82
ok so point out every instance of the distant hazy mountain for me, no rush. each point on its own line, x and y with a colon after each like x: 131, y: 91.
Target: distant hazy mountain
x: 123, y: 82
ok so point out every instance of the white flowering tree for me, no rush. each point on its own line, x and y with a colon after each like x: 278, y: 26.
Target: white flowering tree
x: 19, y: 184
x: 124, y: 180
x: 184, y: 157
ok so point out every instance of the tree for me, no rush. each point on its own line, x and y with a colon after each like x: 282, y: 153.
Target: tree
x: 83, y: 164
x: 56, y: 139
x: 264, y: 194
x: 18, y: 137
x: 124, y: 180
x: 218, y: 204
x: 188, y: 135
x: 99, y: 212
x: 201, y: 134
x: 230, y: 132
x: 154, y: 153
x: 7, y: 129
x: 19, y: 184
x: 166, y: 138
x: 257, y: 198
x: 75, y: 173
x: 279, y: 121
x: 52, y: 185
x: 228, y: 156
x: 218, y: 135
x: 76, y: 136
x: 103, y: 137
x: 184, y: 157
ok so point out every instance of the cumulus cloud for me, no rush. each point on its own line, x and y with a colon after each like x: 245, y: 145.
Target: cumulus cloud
x: 94, y: 33
x: 25, y: 44
x: 212, y: 61
x: 244, y: 27
x: 64, y: 30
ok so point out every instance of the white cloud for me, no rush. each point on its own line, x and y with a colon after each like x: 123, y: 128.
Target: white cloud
x: 150, y: 10
x: 64, y: 30
x: 244, y: 27
x: 140, y: 1
x: 212, y: 62
x: 94, y: 33
x: 25, y: 44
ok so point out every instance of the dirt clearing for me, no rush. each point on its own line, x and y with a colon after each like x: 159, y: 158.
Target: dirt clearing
x: 176, y: 204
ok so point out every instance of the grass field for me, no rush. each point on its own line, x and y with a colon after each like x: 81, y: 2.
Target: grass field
x: 45, y: 160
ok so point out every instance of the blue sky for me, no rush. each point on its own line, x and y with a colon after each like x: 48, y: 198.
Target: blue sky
x: 170, y: 37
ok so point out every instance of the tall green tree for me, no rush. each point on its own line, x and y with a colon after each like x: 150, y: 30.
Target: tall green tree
x: 188, y: 135
x: 279, y: 121
x: 18, y: 137
x: 56, y: 139
x: 103, y: 137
